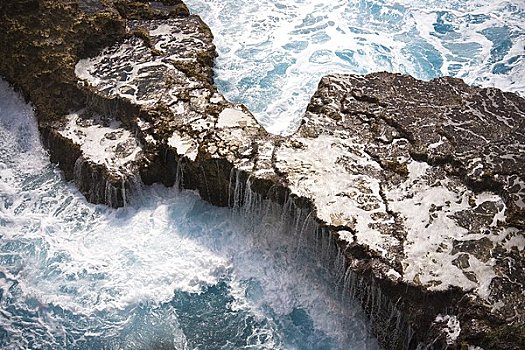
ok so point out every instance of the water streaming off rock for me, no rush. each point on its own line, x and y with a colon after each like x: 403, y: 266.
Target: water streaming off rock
x: 175, y: 272
x: 272, y: 53
x: 171, y: 273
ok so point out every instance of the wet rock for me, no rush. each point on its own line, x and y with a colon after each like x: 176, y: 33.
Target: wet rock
x: 191, y: 134
x: 42, y: 40
x: 435, y: 159
x: 420, y: 185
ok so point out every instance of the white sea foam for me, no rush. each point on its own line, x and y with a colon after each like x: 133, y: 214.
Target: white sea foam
x: 273, y: 53
x: 72, y: 273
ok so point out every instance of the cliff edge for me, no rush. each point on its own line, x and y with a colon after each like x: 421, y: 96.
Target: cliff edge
x: 420, y: 186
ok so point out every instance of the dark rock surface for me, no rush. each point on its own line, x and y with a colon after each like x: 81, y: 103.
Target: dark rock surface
x: 421, y: 185
x: 440, y: 201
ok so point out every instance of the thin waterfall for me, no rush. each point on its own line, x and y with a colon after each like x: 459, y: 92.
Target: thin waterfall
x: 99, y: 189
x: 77, y: 169
x: 179, y: 172
x: 110, y: 194
x: 123, y: 189
x: 252, y: 209
x: 132, y: 189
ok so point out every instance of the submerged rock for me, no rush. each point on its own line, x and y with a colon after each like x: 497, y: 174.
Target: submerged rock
x: 420, y: 184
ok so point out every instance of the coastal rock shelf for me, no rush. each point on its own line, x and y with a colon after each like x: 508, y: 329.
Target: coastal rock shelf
x: 161, y: 88
x: 420, y: 185
x: 430, y: 180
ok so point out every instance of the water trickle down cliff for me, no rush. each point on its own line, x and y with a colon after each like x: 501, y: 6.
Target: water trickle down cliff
x: 414, y: 189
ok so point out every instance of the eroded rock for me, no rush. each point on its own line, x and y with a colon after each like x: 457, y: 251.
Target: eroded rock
x: 420, y: 173
x: 176, y: 111
x: 421, y: 185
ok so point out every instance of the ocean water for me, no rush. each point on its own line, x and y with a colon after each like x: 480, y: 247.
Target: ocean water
x: 272, y: 53
x: 171, y: 272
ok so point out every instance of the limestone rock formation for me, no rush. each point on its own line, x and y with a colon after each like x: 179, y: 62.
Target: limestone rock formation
x: 420, y: 185
x: 162, y: 90
x: 425, y: 181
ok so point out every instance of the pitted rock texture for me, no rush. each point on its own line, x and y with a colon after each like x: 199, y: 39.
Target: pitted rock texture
x: 427, y: 178
x: 418, y: 174
x: 130, y: 83
x: 41, y: 43
x: 420, y: 184
x: 162, y: 89
x: 42, y: 40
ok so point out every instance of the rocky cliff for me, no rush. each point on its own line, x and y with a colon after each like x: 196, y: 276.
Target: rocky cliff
x: 419, y: 185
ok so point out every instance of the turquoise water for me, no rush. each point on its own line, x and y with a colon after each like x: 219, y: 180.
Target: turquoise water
x: 174, y: 272
x: 171, y: 273
x: 272, y: 53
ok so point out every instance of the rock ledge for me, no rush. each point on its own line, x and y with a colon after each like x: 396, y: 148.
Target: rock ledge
x: 420, y: 186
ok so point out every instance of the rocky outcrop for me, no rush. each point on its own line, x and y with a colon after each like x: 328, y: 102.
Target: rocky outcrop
x: 42, y: 42
x: 162, y: 90
x: 427, y: 190
x: 419, y: 185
